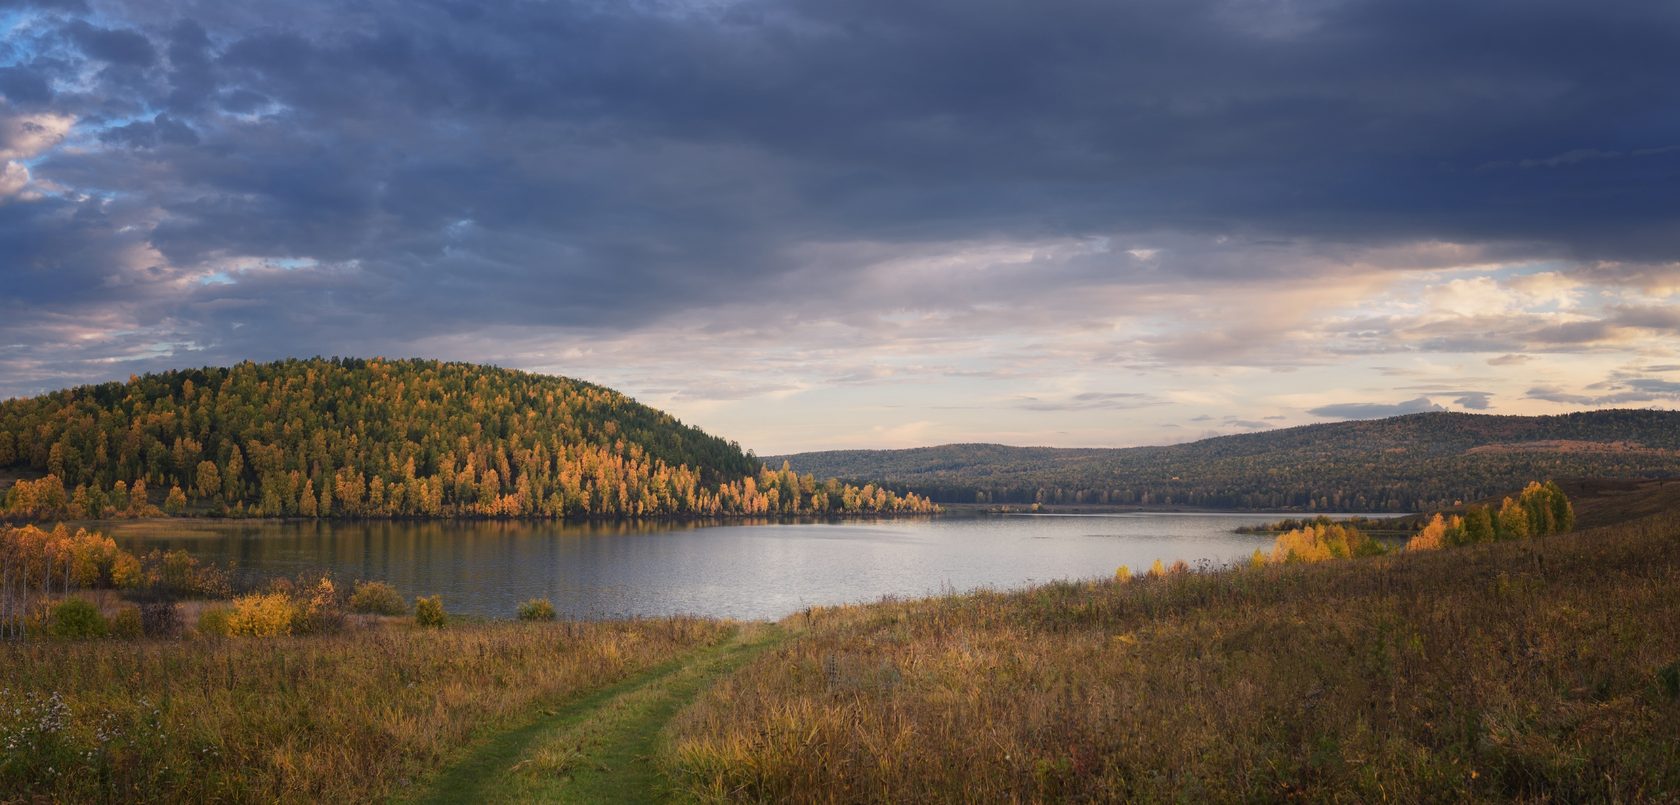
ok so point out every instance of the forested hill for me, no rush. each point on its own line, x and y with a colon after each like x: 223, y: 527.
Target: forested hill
x: 378, y: 438
x: 1410, y: 463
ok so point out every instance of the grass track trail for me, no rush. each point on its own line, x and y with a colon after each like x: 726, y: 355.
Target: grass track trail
x: 599, y: 747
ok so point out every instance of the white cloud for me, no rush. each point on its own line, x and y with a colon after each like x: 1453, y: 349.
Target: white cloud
x: 26, y: 136
x: 1472, y: 296
x: 14, y: 177
x: 1547, y: 288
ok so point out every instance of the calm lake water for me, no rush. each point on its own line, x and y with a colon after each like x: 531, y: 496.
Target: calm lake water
x: 753, y: 571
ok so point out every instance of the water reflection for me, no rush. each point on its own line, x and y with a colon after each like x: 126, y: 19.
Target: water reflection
x: 739, y: 570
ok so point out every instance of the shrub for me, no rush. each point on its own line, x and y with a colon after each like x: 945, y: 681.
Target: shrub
x: 377, y: 598
x: 177, y: 572
x: 126, y: 623
x: 216, y: 622
x: 262, y: 615
x: 160, y: 619
x: 321, y: 612
x: 76, y: 619
x: 1668, y: 677
x: 536, y: 609
x: 429, y: 611
x: 1318, y: 542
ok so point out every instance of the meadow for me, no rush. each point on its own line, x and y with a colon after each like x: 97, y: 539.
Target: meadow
x: 1537, y: 669
x: 1541, y: 668
x: 354, y: 716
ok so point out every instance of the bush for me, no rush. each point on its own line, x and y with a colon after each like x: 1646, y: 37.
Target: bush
x: 1668, y: 677
x: 126, y: 623
x: 1321, y: 541
x: 160, y: 619
x: 76, y: 619
x: 262, y: 615
x: 179, y: 573
x: 377, y: 598
x: 215, y: 622
x: 429, y: 611
x: 536, y: 609
x: 321, y: 612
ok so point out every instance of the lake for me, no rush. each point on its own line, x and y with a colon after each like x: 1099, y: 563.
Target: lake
x: 732, y: 570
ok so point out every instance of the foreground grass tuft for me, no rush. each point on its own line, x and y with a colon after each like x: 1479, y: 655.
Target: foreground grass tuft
x: 1538, y: 670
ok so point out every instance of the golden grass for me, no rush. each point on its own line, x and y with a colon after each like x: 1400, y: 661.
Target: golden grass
x: 343, y: 718
x: 1539, y: 669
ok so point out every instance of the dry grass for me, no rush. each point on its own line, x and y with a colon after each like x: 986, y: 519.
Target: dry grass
x: 1538, y: 670
x: 343, y: 718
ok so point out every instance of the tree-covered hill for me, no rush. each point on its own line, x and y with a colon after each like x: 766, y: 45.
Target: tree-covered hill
x: 378, y: 438
x: 1411, y: 463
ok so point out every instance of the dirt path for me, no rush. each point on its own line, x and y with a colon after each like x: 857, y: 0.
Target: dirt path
x: 599, y: 748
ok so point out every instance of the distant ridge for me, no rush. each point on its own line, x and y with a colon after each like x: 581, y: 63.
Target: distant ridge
x: 1406, y: 463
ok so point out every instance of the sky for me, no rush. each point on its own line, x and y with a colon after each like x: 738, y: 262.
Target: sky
x: 816, y: 224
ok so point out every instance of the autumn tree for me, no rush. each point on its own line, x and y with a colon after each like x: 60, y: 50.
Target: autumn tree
x: 176, y: 501
x: 308, y: 505
x: 209, y: 480
x: 1478, y: 526
x: 1512, y: 522
x: 1433, y: 536
x: 138, y: 501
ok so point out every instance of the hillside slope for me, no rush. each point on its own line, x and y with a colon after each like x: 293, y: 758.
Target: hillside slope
x: 1531, y: 670
x: 377, y: 438
x: 1410, y: 463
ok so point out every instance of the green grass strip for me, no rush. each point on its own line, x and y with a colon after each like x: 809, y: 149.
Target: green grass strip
x: 597, y: 748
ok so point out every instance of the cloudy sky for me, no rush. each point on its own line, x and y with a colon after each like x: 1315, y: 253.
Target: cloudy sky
x: 811, y: 224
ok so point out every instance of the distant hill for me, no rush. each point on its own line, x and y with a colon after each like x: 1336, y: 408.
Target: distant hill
x: 1409, y: 463
x: 376, y: 438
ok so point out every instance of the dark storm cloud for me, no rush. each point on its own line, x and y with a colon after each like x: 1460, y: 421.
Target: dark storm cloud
x: 116, y: 46
x: 24, y: 86
x: 62, y: 256
x: 439, y: 166
x: 1375, y: 410
x: 57, y: 5
x: 145, y: 134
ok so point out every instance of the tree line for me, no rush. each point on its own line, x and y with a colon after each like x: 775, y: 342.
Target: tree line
x: 1416, y: 463
x: 1538, y: 510
x: 349, y: 437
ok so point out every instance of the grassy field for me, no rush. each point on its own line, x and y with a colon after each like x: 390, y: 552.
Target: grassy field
x: 1538, y: 669
x: 598, y: 748
x: 1543, y: 669
x: 352, y: 717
